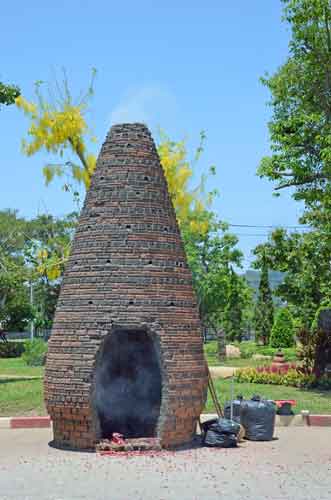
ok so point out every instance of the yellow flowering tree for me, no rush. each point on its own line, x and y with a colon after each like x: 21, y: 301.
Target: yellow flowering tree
x: 58, y: 126
x: 191, y: 204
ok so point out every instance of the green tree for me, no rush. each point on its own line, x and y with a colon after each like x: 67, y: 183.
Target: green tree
x: 15, y: 310
x: 300, y: 128
x: 46, y: 252
x: 8, y: 94
x: 49, y: 242
x: 282, y: 332
x: 239, y: 301
x: 31, y: 251
x: 304, y: 258
x: 264, y: 309
x: 233, y: 314
x: 209, y: 257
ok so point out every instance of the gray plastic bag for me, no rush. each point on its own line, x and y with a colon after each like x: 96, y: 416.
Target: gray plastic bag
x: 257, y: 416
x: 236, y: 406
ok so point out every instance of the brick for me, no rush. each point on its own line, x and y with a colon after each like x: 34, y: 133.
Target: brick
x: 127, y: 267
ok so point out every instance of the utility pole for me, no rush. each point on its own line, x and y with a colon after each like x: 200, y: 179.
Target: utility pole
x: 31, y: 303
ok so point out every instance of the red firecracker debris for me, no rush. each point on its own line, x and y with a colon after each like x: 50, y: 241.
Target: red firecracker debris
x: 117, y: 438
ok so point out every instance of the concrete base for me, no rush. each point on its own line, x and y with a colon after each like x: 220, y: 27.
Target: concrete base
x: 287, y: 420
x: 5, y: 423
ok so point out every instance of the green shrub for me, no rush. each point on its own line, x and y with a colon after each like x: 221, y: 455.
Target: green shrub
x: 282, y: 332
x: 247, y: 349
x: 290, y: 354
x: 11, y: 349
x: 210, y: 348
x: 292, y: 378
x: 35, y: 352
x: 297, y: 379
x: 253, y: 376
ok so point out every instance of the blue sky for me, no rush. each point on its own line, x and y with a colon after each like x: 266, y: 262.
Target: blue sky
x: 184, y: 66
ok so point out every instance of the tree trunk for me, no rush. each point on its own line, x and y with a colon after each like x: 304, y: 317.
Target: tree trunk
x: 221, y: 345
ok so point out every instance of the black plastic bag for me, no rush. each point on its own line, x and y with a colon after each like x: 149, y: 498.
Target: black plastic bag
x: 257, y: 416
x: 226, y: 426
x: 220, y: 440
x: 236, y: 405
x: 222, y: 426
x: 205, y: 425
x: 220, y: 432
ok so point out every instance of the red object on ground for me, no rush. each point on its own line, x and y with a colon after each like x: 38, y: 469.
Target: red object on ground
x: 117, y: 438
x: 280, y: 402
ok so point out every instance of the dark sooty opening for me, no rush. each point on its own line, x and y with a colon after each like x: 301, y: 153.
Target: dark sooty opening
x: 128, y: 385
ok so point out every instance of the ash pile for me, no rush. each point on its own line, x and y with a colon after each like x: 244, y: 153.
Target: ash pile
x: 118, y: 443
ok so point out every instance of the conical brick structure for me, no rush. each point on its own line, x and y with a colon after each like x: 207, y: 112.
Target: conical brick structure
x: 126, y: 351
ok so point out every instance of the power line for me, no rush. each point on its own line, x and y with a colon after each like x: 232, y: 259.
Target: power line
x: 269, y: 227
x: 251, y: 234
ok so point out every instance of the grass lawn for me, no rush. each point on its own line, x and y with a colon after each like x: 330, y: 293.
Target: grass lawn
x: 25, y: 397
x: 212, y: 359
x: 18, y: 398
x: 249, y: 348
x: 16, y: 366
x: 317, y: 401
x: 242, y: 362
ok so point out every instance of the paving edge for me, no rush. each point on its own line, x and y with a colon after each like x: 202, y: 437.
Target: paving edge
x: 299, y: 420
x: 25, y: 422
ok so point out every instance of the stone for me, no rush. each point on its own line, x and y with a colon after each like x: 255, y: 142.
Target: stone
x: 261, y: 357
x: 232, y: 351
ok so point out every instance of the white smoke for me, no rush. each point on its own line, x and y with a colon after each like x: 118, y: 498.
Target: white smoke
x: 148, y: 104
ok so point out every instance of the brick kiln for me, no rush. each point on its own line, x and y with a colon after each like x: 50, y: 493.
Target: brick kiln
x: 126, y: 353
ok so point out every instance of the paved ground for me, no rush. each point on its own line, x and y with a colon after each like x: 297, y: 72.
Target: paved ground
x: 296, y: 466
x: 222, y: 371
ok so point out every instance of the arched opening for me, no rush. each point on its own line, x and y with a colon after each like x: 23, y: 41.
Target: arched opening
x: 128, y: 384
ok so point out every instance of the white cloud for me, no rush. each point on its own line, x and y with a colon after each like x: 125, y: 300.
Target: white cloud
x: 150, y: 104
